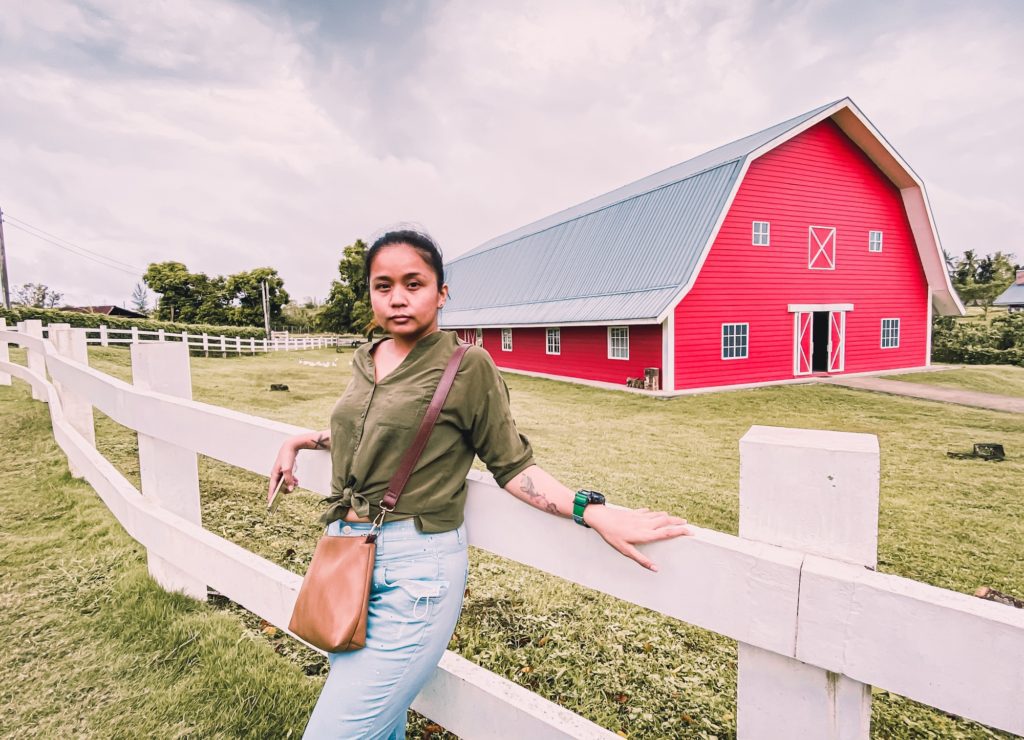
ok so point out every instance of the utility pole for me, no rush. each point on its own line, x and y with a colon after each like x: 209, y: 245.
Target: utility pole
x: 265, y: 295
x: 3, y: 265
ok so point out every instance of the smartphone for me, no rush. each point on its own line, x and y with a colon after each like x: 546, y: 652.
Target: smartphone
x: 275, y: 497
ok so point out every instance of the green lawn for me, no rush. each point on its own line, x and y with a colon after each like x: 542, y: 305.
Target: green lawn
x: 1006, y: 380
x: 952, y: 523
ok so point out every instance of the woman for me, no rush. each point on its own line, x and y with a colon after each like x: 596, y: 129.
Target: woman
x: 420, y: 572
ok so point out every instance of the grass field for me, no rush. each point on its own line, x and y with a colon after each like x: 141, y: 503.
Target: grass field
x: 952, y: 523
x: 1006, y: 380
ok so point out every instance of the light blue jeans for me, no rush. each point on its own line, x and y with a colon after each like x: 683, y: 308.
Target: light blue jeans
x: 415, y: 599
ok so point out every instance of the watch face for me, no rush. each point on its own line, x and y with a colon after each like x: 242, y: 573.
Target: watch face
x: 596, y: 498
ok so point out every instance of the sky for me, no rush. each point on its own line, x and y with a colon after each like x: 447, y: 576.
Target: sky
x: 232, y: 135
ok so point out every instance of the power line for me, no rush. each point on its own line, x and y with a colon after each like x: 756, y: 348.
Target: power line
x: 80, y: 251
x: 69, y: 243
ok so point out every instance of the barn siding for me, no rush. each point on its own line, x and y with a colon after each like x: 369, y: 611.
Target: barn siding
x: 584, y: 352
x: 818, y: 178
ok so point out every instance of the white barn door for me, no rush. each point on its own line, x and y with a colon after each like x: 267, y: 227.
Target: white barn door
x: 836, y: 341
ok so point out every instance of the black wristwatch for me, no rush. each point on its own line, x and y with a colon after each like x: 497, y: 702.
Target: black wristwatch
x: 582, y: 499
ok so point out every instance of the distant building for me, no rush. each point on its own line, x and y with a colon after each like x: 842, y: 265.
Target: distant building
x: 805, y: 249
x: 1013, y: 297
x: 107, y: 310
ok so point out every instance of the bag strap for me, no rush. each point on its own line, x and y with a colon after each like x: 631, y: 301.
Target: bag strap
x: 412, y: 455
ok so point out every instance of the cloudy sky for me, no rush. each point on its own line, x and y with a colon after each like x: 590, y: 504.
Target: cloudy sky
x: 230, y: 135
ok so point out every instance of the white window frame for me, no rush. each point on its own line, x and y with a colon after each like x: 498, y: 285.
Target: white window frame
x: 746, y: 341
x: 553, y: 332
x: 506, y: 340
x: 872, y: 242
x: 893, y: 334
x: 611, y: 330
x: 761, y: 238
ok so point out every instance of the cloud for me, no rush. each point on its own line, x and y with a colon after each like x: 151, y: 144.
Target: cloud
x: 231, y: 135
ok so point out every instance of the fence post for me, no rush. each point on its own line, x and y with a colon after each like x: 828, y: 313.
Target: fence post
x: 5, y: 355
x: 814, y: 491
x: 104, y: 342
x: 265, y: 349
x: 223, y: 346
x: 170, y: 474
x: 184, y: 337
x: 36, y: 361
x: 74, y: 345
x: 206, y: 344
x: 238, y: 345
x: 252, y: 345
x: 161, y: 336
x: 135, y: 335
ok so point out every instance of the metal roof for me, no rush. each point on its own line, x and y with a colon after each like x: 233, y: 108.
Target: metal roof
x: 621, y: 256
x: 1012, y: 296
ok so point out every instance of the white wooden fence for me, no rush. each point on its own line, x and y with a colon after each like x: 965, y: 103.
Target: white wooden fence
x: 817, y: 626
x: 208, y: 344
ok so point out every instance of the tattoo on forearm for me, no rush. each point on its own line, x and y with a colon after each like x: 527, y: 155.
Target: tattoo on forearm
x: 319, y: 443
x: 537, y: 498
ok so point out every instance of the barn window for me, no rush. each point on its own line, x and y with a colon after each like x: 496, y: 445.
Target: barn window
x: 821, y: 248
x: 734, y: 341
x: 506, y: 340
x: 554, y: 343
x: 874, y: 241
x: 890, y: 333
x: 618, y: 342
x: 761, y: 233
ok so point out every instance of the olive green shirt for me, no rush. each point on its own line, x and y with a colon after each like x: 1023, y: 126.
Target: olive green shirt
x: 373, y: 424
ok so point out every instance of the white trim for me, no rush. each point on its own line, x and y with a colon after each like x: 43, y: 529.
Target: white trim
x: 746, y: 343
x: 928, y: 340
x: 811, y: 235
x: 506, y: 333
x: 881, y: 337
x: 545, y: 324
x: 812, y: 307
x: 668, y: 358
x: 547, y: 340
x: 610, y: 356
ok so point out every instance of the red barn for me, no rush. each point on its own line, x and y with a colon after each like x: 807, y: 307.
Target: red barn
x: 807, y: 248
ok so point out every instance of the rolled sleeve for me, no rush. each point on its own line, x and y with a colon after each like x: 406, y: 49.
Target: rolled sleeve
x: 493, y: 433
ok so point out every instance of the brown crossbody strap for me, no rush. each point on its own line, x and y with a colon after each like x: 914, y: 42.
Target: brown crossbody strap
x: 412, y: 455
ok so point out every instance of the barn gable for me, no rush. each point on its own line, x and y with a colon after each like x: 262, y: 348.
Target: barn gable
x: 630, y: 256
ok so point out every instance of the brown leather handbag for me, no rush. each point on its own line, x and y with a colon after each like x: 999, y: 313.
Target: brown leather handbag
x: 330, y: 611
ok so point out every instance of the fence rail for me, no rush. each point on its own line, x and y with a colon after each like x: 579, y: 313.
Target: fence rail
x: 817, y: 625
x: 210, y: 343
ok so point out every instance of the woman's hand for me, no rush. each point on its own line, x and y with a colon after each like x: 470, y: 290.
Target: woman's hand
x: 624, y: 528
x: 284, y: 465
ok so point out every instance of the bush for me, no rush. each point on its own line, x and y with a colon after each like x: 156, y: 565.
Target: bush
x: 94, y: 320
x: 977, y: 343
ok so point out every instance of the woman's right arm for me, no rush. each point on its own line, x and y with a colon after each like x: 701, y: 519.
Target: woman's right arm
x: 285, y: 462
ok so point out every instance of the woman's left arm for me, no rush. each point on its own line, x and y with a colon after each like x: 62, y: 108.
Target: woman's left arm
x: 620, y: 528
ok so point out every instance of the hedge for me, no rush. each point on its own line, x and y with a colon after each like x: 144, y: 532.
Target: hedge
x: 94, y: 320
x: 977, y: 343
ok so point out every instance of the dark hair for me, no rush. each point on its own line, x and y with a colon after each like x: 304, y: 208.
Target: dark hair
x: 419, y: 241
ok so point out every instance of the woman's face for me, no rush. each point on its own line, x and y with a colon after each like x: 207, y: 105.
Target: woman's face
x: 404, y: 292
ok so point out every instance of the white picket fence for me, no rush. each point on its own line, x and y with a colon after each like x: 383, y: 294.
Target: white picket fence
x: 208, y: 344
x: 816, y: 625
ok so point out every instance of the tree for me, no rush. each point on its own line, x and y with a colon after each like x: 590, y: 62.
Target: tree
x: 185, y: 296
x: 347, y: 308
x: 37, y: 295
x: 244, y: 291
x: 980, y: 281
x: 140, y: 298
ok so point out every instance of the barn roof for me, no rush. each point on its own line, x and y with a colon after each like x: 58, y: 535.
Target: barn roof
x: 1014, y: 295
x: 628, y: 255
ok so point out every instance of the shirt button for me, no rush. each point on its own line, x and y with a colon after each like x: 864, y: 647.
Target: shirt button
x: 346, y: 529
